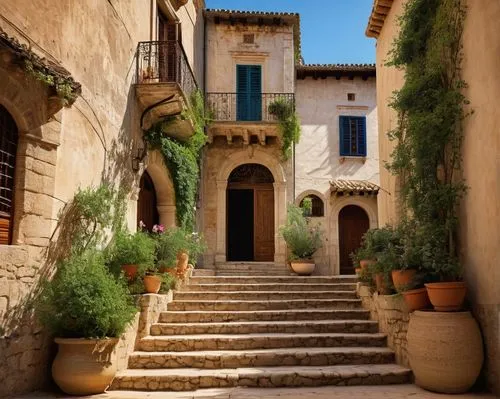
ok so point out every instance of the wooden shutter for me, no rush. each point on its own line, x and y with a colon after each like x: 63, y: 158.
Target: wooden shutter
x: 242, y: 73
x: 345, y: 136
x: 361, y: 135
x: 249, y: 92
x: 8, y: 149
x: 255, y: 86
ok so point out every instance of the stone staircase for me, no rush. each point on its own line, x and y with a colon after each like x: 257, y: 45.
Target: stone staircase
x: 279, y: 331
x: 252, y: 269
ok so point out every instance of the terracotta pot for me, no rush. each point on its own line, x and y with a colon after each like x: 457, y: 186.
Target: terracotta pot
x: 416, y: 299
x: 445, y: 350
x: 365, y: 263
x: 152, y: 284
x: 402, y: 278
x: 182, y: 262
x: 84, y: 366
x: 381, y: 284
x: 130, y: 271
x: 303, y: 267
x: 358, y: 271
x: 447, y: 297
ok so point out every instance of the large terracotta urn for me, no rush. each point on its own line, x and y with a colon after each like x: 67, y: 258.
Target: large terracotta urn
x: 84, y: 366
x: 445, y: 350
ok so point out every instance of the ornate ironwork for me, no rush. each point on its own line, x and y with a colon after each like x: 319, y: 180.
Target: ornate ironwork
x: 251, y: 173
x: 227, y: 106
x: 164, y: 62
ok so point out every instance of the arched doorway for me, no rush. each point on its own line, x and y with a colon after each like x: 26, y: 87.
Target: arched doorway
x: 147, y: 210
x: 250, y: 214
x: 353, y: 223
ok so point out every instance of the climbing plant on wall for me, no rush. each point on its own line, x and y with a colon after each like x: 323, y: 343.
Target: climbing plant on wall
x: 289, y: 124
x: 182, y: 158
x: 428, y: 136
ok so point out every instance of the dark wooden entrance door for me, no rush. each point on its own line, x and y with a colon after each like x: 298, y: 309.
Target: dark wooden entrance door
x: 353, y: 223
x: 264, y: 224
x: 250, y: 214
x: 147, y: 211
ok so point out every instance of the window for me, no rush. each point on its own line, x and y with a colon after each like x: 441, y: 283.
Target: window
x: 8, y: 149
x: 312, y: 206
x: 352, y: 136
x: 249, y: 92
x: 248, y: 38
x: 351, y: 96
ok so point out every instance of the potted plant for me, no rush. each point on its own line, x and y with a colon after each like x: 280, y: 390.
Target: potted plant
x: 302, y: 240
x: 87, y: 309
x: 132, y: 253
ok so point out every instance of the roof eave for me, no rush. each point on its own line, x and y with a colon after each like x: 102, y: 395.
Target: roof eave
x: 380, y: 10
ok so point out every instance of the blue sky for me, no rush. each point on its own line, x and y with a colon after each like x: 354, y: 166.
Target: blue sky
x: 333, y: 31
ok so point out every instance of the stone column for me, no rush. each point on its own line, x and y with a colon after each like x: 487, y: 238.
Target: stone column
x: 167, y: 215
x: 220, y: 255
x: 279, y: 220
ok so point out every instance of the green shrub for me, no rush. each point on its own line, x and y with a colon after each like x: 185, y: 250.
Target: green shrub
x: 84, y: 300
x: 302, y: 239
x: 289, y: 124
x: 132, y: 249
x: 175, y: 240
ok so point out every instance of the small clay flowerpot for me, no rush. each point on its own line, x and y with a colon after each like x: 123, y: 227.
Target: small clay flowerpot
x: 130, y: 271
x: 358, y: 271
x: 416, y: 299
x: 447, y: 297
x: 365, y: 263
x: 402, y: 278
x: 381, y: 284
x: 152, y: 284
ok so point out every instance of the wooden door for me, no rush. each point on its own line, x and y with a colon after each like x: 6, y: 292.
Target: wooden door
x: 168, y: 36
x: 264, y: 224
x: 353, y: 223
x: 147, y: 211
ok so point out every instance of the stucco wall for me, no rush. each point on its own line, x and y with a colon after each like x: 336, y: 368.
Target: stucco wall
x: 82, y: 145
x: 273, y: 49
x: 320, y: 102
x: 480, y: 209
x: 389, y: 79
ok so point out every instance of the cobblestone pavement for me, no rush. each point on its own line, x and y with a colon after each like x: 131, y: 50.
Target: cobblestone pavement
x: 362, y: 392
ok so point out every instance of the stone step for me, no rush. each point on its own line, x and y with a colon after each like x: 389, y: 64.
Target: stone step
x: 188, y: 379
x: 266, y: 305
x: 203, y: 272
x: 182, y: 343
x: 251, y: 273
x: 271, y: 279
x: 261, y: 358
x: 252, y: 327
x: 261, y: 295
x: 263, y: 315
x: 271, y: 287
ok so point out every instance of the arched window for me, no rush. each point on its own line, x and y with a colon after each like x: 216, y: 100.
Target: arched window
x: 8, y: 148
x: 313, y: 206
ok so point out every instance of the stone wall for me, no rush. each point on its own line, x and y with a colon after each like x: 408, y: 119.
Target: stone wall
x: 393, y: 317
x: 151, y: 305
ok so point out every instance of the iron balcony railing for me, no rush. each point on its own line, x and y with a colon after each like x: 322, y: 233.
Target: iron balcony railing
x: 251, y: 107
x: 164, y: 62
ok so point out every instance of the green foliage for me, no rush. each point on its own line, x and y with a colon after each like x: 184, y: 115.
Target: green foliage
x: 131, y: 249
x: 182, y: 159
x: 302, y: 239
x: 84, y: 300
x: 62, y: 86
x: 176, y: 240
x: 306, y: 205
x: 289, y: 124
x: 168, y: 283
x: 92, y: 213
x: 428, y: 137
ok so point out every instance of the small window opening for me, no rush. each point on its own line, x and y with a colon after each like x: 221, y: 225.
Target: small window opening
x: 312, y: 206
x: 248, y: 38
x: 351, y: 96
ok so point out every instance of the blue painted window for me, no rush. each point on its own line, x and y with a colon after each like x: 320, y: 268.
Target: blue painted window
x: 352, y: 136
x: 249, y: 92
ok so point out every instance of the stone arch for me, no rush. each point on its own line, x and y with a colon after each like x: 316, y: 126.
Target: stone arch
x: 164, y: 187
x: 368, y: 204
x: 315, y: 193
x: 256, y: 156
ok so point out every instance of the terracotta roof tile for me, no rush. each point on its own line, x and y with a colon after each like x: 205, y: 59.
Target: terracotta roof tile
x: 377, y: 17
x: 353, y: 186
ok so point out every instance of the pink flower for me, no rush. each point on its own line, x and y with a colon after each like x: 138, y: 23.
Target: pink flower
x: 142, y: 225
x: 158, y: 229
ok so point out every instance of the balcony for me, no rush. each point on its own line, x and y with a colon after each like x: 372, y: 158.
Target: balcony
x: 249, y: 116
x: 164, y: 83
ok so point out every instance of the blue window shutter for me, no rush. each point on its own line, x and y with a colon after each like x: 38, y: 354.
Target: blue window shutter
x: 361, y: 130
x: 255, y: 86
x: 248, y: 89
x: 241, y: 92
x: 345, y: 136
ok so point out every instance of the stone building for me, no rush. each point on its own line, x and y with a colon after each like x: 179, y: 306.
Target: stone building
x: 80, y: 82
x: 480, y: 208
